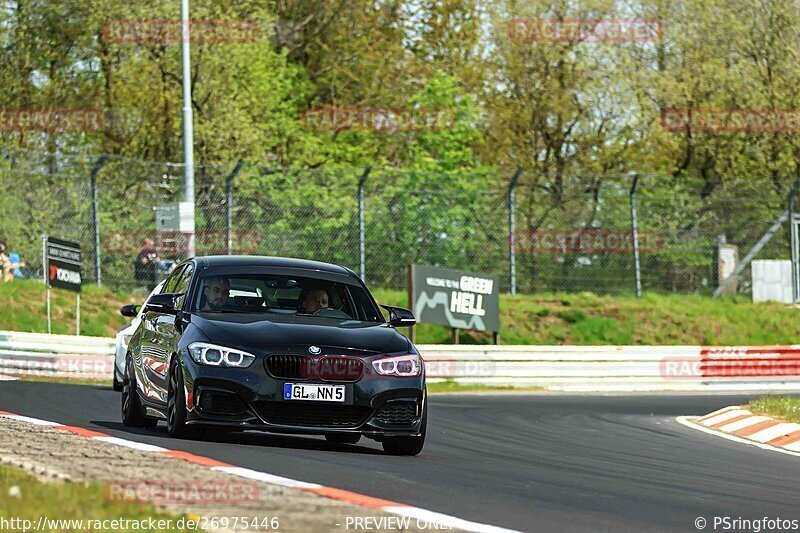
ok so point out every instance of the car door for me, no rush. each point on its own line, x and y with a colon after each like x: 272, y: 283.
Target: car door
x: 157, y: 332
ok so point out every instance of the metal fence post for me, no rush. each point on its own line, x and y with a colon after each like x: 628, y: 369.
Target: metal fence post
x: 635, y: 228
x: 229, y: 205
x: 793, y: 242
x: 361, y: 243
x: 512, y: 255
x: 95, y: 218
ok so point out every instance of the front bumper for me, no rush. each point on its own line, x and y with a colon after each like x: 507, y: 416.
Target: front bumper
x: 250, y: 399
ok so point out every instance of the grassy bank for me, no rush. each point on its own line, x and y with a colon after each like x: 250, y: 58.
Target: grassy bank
x: 585, y: 318
x: 24, y: 309
x: 786, y: 408
x: 24, y: 498
x: 580, y: 318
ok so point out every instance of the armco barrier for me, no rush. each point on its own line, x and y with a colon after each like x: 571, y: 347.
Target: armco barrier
x: 568, y: 368
x: 618, y: 368
x: 55, y: 355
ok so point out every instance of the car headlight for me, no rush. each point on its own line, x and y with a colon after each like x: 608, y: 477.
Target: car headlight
x: 402, y: 366
x: 213, y: 355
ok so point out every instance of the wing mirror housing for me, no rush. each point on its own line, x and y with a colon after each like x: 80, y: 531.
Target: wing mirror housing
x: 162, y: 303
x: 130, y: 310
x: 400, y: 317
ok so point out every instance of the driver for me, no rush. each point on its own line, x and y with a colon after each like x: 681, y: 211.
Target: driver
x: 314, y: 300
x: 216, y: 293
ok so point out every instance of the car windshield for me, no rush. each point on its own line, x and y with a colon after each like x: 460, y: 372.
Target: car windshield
x: 290, y: 296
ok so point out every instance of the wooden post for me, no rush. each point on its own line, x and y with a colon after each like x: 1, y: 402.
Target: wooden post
x: 454, y: 335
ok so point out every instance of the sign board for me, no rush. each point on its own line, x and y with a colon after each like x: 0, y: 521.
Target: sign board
x: 63, y: 264
x: 727, y: 261
x: 175, y: 217
x: 772, y: 280
x: 462, y: 300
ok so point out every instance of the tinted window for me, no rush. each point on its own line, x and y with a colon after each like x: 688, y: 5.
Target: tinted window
x: 276, y: 295
x: 182, y: 285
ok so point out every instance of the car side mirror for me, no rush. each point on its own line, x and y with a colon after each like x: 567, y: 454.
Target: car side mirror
x: 130, y: 310
x: 162, y: 303
x: 399, y: 316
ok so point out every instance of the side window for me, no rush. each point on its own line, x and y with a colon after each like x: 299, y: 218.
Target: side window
x: 172, y: 281
x: 182, y: 285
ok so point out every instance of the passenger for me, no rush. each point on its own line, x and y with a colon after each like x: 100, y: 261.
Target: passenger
x: 216, y: 294
x: 313, y: 300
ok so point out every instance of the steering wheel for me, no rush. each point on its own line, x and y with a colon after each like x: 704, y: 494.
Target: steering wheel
x: 330, y: 312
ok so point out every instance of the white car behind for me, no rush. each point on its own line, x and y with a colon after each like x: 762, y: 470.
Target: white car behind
x: 124, y: 336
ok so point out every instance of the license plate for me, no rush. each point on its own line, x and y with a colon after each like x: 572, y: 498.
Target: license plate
x: 317, y: 393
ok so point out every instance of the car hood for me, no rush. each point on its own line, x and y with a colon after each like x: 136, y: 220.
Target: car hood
x: 254, y: 333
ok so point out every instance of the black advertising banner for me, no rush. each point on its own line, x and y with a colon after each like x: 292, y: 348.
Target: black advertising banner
x: 463, y: 300
x: 64, y: 264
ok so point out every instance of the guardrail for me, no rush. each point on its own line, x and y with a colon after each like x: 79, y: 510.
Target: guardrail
x: 568, y: 368
x: 617, y: 368
x: 55, y: 355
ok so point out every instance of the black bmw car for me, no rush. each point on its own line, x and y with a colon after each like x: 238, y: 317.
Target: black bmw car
x: 234, y: 343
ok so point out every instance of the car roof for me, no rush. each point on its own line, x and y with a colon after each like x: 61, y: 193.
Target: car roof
x: 266, y: 261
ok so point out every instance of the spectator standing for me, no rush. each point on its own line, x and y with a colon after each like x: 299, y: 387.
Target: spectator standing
x: 10, y: 263
x: 146, y: 265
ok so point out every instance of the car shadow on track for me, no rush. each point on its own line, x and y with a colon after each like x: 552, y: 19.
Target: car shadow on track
x: 246, y: 438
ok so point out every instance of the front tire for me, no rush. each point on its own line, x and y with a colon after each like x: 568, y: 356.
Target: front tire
x: 176, y: 406
x: 407, y: 445
x: 132, y: 412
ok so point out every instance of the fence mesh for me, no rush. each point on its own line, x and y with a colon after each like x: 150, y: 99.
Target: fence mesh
x: 571, y: 234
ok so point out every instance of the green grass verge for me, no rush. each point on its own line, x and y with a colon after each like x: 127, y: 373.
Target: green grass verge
x: 546, y: 318
x: 23, y: 497
x: 72, y: 381
x: 452, y: 386
x: 786, y: 408
x: 26, y: 309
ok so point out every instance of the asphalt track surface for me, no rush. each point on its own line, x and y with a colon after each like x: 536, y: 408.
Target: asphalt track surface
x: 541, y: 462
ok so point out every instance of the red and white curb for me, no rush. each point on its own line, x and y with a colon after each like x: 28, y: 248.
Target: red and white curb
x: 7, y: 378
x: 422, y: 515
x: 740, y: 425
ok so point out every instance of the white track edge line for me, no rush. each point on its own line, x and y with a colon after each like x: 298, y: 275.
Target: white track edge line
x: 432, y: 517
x: 689, y: 422
x: 30, y: 420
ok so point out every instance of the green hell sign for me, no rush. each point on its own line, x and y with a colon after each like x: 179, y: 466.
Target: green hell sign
x: 462, y: 300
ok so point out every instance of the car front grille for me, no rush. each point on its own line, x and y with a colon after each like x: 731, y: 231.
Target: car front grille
x: 311, y: 415
x: 328, y: 368
x: 397, y: 412
x: 289, y: 366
